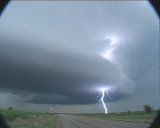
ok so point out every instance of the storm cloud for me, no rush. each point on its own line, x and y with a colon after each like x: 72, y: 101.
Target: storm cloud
x: 53, y: 55
x: 29, y: 67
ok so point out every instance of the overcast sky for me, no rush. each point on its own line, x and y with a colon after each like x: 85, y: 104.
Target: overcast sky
x: 60, y: 54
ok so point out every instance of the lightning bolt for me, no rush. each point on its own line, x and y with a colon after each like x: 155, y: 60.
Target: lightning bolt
x: 103, y: 90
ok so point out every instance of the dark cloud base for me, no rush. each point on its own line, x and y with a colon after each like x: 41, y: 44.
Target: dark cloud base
x: 27, y: 70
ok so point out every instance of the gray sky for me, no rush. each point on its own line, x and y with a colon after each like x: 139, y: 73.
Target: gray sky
x: 61, y: 53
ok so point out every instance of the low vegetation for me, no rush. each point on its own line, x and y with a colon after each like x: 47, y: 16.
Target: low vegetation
x: 135, y: 117
x: 147, y: 108
x: 20, y: 119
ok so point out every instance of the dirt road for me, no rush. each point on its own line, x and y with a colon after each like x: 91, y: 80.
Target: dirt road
x: 70, y: 121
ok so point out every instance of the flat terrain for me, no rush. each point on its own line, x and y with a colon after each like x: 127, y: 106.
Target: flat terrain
x: 70, y: 121
x: 133, y: 117
x: 39, y: 121
x: 20, y: 119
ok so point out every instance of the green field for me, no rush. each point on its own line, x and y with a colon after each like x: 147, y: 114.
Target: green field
x: 135, y: 117
x: 20, y: 119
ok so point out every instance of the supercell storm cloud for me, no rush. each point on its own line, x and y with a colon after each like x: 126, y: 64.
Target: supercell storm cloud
x: 73, y: 75
x: 64, y: 57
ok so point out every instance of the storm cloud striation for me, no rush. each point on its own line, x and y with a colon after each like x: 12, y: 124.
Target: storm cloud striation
x: 73, y: 76
x: 51, y: 54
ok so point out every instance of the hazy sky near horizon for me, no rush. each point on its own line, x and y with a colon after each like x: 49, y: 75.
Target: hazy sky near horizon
x: 61, y: 53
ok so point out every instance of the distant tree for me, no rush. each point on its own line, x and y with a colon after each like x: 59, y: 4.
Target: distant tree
x: 10, y: 108
x: 129, y: 112
x: 147, y: 108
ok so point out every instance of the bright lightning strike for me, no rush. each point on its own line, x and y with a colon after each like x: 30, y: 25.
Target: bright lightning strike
x: 102, y: 100
x: 104, y: 91
x: 114, y: 40
x: 112, y: 46
x: 108, y: 55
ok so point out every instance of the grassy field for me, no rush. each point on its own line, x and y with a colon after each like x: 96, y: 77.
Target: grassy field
x: 19, y: 119
x: 135, y: 117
